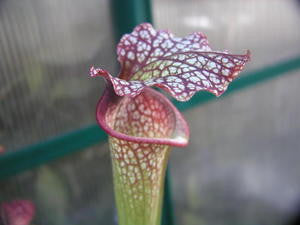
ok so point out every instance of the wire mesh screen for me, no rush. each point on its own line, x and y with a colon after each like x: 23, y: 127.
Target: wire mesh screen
x: 241, y: 166
x: 270, y: 29
x: 73, y: 190
x: 46, y: 50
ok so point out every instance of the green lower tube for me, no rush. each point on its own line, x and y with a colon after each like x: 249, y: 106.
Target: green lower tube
x: 138, y: 173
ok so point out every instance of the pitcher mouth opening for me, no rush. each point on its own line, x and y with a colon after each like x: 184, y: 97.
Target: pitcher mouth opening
x: 171, y: 129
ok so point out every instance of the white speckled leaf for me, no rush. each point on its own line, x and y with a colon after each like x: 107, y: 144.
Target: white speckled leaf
x: 146, y: 45
x: 182, y: 66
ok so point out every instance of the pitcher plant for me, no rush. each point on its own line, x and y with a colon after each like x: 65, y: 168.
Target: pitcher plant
x: 142, y: 123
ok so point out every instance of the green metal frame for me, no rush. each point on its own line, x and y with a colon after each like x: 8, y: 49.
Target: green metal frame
x: 126, y: 14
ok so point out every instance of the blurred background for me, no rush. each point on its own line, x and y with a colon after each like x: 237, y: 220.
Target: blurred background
x: 242, y: 164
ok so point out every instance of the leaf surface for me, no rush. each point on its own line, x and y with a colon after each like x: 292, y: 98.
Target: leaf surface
x: 181, y: 66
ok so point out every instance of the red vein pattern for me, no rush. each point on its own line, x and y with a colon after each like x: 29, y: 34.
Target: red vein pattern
x: 138, y: 172
x: 145, y: 45
x: 147, y: 118
x: 17, y: 212
x: 181, y: 66
x: 141, y: 130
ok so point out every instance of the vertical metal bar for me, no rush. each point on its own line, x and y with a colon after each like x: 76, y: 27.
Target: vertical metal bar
x: 126, y: 15
x: 168, y: 212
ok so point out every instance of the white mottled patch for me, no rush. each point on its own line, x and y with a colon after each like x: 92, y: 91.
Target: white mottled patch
x: 192, y: 61
x: 225, y: 72
x: 191, y: 86
x: 206, y: 83
x: 194, y: 79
